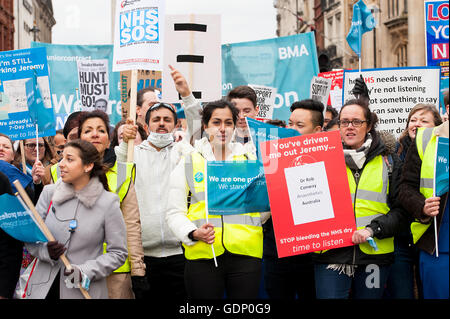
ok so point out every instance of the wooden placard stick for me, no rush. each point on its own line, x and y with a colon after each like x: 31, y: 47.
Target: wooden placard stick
x: 23, y: 194
x: 22, y: 153
x: 132, y: 112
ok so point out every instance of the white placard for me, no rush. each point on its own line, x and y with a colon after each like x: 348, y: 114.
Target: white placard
x: 93, y: 81
x: 320, y: 90
x: 265, y: 100
x: 309, y: 193
x: 193, y: 38
x: 394, y: 92
x: 139, y: 34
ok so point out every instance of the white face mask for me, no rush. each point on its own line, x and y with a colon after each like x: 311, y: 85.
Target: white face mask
x: 160, y: 140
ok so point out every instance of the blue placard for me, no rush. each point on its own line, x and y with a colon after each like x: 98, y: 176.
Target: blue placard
x: 17, y: 222
x: 236, y: 188
x: 441, y: 167
x: 25, y: 89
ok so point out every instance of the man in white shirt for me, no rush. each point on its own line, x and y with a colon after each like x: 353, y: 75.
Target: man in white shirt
x: 155, y: 159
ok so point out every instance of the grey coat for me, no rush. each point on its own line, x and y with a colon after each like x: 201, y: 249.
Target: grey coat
x: 99, y: 219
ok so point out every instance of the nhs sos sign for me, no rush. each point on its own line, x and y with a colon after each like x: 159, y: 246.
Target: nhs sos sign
x: 139, y: 26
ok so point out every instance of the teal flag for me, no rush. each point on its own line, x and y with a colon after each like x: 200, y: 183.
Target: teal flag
x: 362, y: 22
x: 40, y: 115
x: 441, y: 167
x: 18, y: 222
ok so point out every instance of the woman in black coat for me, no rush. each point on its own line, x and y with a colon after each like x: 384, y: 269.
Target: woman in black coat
x: 10, y: 253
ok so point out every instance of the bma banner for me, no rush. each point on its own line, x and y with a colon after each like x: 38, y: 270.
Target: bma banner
x: 17, y: 221
x: 24, y: 79
x: 138, y: 35
x: 236, y: 188
x: 275, y: 63
x: 93, y: 81
x: 63, y: 70
x: 441, y: 168
x: 309, y: 193
x: 395, y: 91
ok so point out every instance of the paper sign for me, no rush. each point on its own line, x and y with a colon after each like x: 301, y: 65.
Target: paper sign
x: 309, y: 193
x: 192, y: 46
x: 394, y: 92
x: 138, y: 35
x: 336, y: 77
x: 93, y: 82
x: 265, y: 99
x: 320, y: 90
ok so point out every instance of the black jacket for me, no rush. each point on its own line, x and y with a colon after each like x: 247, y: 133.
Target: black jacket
x: 10, y: 252
x: 393, y: 223
x: 413, y: 200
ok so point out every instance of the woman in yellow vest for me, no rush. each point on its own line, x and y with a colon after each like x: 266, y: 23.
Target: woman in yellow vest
x: 235, y: 239
x: 373, y: 171
x: 94, y: 127
x: 417, y: 195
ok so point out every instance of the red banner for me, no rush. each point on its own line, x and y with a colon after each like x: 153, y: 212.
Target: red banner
x: 308, y: 192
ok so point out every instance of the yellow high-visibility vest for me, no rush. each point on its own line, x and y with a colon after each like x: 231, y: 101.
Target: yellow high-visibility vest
x: 426, y: 147
x: 240, y: 234
x: 369, y: 201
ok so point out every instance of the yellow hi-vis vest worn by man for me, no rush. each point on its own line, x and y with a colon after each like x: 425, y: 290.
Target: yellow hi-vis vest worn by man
x: 238, y: 234
x: 119, y: 177
x: 426, y: 147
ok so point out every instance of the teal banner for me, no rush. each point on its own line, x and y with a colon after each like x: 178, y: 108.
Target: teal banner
x: 63, y: 74
x: 441, y: 174
x: 286, y: 63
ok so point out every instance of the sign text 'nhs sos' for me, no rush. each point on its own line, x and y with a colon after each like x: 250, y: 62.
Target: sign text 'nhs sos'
x: 139, y: 26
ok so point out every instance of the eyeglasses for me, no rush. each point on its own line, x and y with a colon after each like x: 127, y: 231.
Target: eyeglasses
x: 32, y: 146
x: 355, y: 123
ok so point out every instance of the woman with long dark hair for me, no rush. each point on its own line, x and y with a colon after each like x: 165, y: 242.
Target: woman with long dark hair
x: 81, y: 214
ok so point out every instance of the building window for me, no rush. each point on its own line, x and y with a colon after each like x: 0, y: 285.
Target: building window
x: 402, y: 56
x: 393, y: 8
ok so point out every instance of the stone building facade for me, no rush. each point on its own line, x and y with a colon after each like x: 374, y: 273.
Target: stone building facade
x: 398, y: 40
x: 34, y: 21
x: 6, y: 25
